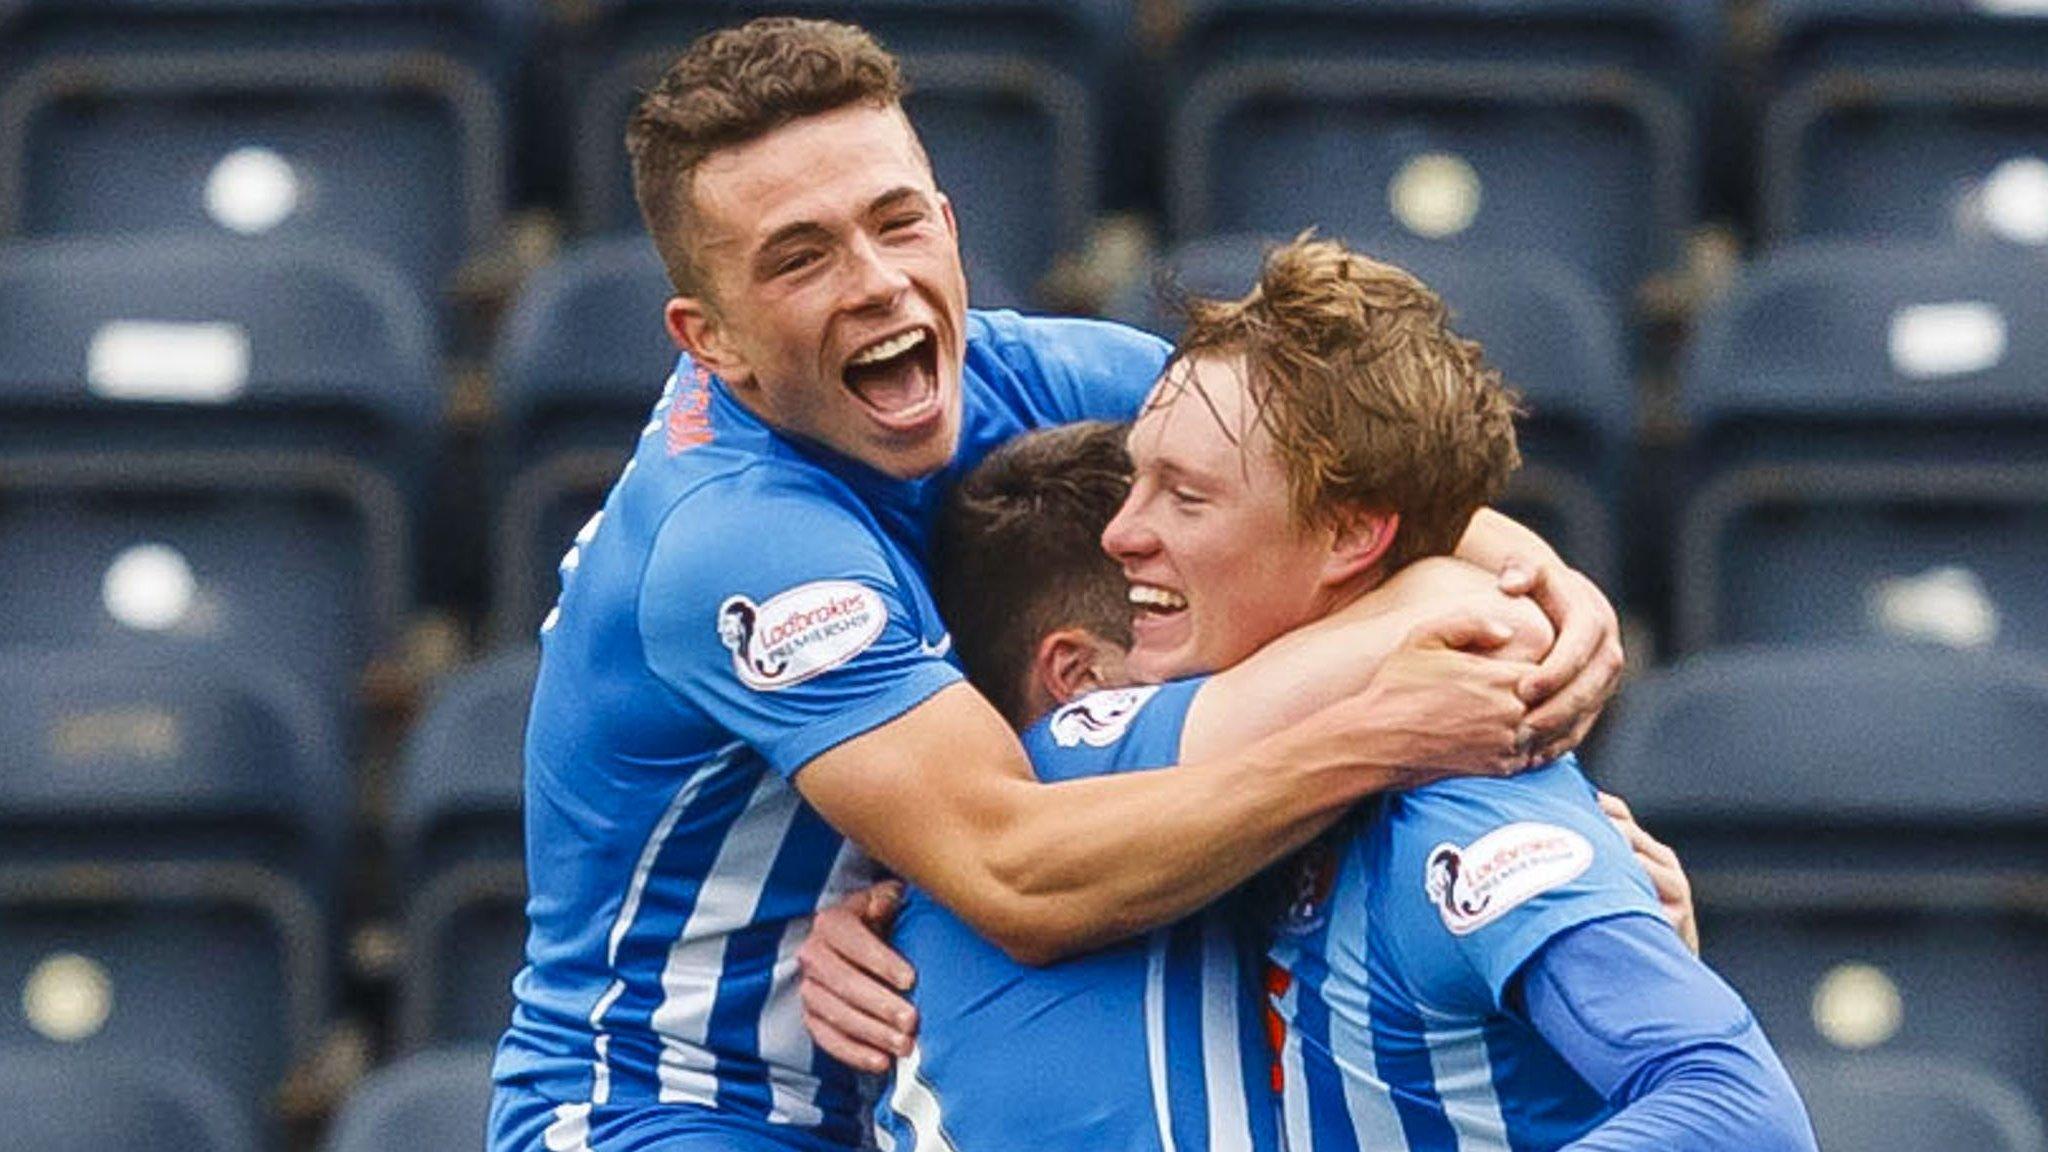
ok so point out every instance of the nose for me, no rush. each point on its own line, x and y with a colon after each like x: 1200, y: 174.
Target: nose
x: 1127, y: 536
x: 876, y: 281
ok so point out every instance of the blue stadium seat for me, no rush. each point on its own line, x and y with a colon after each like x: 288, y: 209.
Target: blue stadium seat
x: 1561, y: 126
x: 1865, y: 833
x: 1906, y: 119
x: 460, y: 850
x: 1912, y: 1104
x: 211, y: 445
x: 116, y: 1102
x: 427, y: 1102
x: 170, y: 830
x: 1004, y: 98
x: 1868, y: 425
x: 1553, y: 338
x: 377, y: 123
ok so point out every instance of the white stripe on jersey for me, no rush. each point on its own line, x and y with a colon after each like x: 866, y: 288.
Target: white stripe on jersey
x: 1156, y: 946
x: 696, y: 962
x: 1222, y: 1056
x: 571, y: 1130
x: 785, y: 1042
x: 1371, y: 1109
x: 629, y: 910
x: 914, y: 1100
x: 1464, y: 1082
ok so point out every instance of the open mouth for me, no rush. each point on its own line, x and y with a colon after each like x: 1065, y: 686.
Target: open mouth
x: 897, y: 378
x: 1150, y: 601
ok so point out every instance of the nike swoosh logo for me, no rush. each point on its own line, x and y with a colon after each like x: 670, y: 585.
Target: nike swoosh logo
x: 936, y: 651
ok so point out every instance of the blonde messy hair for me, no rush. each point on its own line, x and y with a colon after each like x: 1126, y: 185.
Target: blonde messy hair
x: 1370, y: 400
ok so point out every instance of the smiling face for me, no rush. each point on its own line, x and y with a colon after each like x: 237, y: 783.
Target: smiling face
x: 834, y: 304
x: 1217, y: 564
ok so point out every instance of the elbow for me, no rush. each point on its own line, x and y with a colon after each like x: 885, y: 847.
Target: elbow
x: 1033, y: 921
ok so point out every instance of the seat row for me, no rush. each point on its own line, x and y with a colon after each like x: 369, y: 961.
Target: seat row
x: 1864, y: 828
x: 1583, y: 129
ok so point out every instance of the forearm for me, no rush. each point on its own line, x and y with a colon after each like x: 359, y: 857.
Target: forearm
x: 1491, y: 539
x: 1663, y: 1039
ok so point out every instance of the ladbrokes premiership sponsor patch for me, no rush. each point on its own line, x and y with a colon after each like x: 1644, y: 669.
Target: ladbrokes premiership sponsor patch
x: 1475, y: 885
x: 807, y: 630
x: 1099, y: 719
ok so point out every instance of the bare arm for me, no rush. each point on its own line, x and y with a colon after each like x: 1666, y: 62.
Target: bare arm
x: 944, y: 797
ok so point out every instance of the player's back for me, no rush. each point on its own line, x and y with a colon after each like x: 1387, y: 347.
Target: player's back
x: 1392, y: 972
x: 1149, y: 1045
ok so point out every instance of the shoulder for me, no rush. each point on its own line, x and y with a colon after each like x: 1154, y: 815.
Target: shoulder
x: 1115, y: 730
x: 1064, y: 351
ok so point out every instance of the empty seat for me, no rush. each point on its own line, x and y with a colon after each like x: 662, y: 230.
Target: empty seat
x: 1553, y: 338
x: 1912, y: 1104
x: 170, y: 829
x: 427, y: 1102
x: 1553, y: 125
x: 1002, y: 96
x: 116, y: 1102
x: 1868, y: 424
x: 211, y: 445
x: 378, y: 123
x: 460, y: 849
x: 1906, y: 120
x: 1864, y: 828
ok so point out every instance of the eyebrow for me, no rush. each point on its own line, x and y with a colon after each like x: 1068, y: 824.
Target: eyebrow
x: 812, y: 230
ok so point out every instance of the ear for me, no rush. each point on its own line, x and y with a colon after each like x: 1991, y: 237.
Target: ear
x: 1358, y: 542
x: 696, y: 328
x: 1070, y: 663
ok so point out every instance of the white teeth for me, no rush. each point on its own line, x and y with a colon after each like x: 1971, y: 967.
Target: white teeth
x: 1148, y: 596
x: 894, y: 346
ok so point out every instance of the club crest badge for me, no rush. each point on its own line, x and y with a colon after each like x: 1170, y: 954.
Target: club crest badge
x: 1099, y: 719
x: 794, y: 636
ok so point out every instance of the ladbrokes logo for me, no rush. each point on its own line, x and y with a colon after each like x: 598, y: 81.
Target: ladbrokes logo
x: 1099, y: 719
x: 1476, y: 885
x: 800, y: 633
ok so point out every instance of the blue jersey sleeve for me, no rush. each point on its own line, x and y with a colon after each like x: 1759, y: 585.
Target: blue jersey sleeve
x: 1665, y: 1040
x: 1069, y: 369
x: 1117, y: 730
x: 794, y: 650
x: 1477, y: 874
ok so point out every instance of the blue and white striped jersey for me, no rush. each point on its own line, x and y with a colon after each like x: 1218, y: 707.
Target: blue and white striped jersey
x: 742, y: 603
x: 1394, y: 961
x: 1151, y: 1045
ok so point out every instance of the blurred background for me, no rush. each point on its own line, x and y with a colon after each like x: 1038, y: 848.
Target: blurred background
x: 324, y: 325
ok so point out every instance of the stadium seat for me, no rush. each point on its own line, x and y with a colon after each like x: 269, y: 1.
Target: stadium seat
x: 427, y: 1102
x: 1002, y: 95
x: 171, y: 827
x: 1560, y: 126
x: 1553, y: 337
x: 1906, y: 120
x: 116, y: 1102
x: 207, y: 444
x: 1912, y: 1104
x: 460, y: 850
x: 1865, y: 833
x: 378, y: 123
x: 1868, y: 424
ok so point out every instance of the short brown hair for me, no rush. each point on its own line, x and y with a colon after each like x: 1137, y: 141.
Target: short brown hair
x: 1020, y: 553
x: 737, y: 85
x: 1371, y: 401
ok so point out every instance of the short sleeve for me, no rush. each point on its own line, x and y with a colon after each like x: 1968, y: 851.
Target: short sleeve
x: 774, y: 610
x: 1115, y: 730
x: 1075, y: 369
x: 1481, y: 873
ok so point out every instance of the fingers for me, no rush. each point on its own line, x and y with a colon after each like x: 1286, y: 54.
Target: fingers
x: 1667, y: 875
x: 878, y: 904
x: 860, y: 1013
x: 1469, y: 631
x: 1588, y: 638
x: 852, y: 930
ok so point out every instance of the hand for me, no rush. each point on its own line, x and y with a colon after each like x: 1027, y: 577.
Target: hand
x: 1583, y: 669
x: 1674, y: 891
x: 853, y: 982
x: 1452, y: 709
